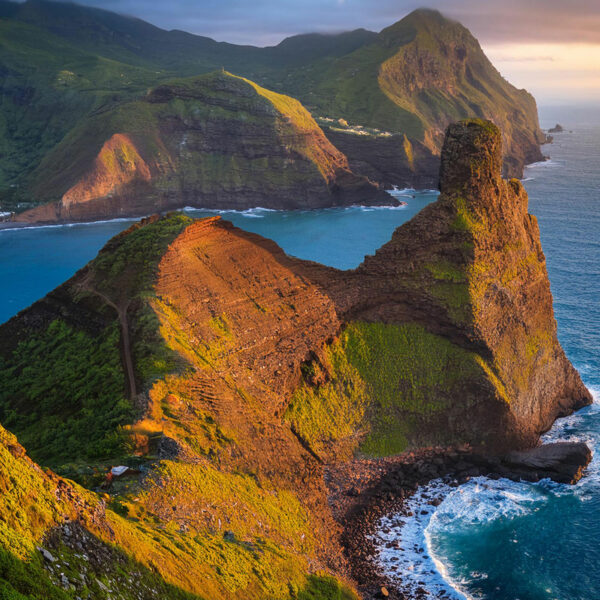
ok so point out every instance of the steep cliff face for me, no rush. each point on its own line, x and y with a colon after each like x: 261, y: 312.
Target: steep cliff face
x: 215, y: 141
x: 234, y: 373
x: 474, y: 261
x: 423, y: 73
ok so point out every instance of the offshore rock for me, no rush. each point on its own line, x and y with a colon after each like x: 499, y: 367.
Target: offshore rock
x: 563, y: 461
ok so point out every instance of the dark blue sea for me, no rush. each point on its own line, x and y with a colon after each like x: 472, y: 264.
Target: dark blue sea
x: 493, y: 540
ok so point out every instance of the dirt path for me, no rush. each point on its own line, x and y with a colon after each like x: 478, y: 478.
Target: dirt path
x: 121, y: 311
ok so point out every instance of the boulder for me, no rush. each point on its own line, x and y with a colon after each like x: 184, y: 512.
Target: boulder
x: 563, y: 462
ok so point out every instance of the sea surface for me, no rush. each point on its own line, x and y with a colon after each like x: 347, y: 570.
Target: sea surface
x: 492, y: 540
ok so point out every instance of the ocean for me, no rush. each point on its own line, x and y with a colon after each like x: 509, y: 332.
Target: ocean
x: 488, y: 540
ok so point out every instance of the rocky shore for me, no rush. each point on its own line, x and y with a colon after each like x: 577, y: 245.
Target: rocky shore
x: 364, y: 491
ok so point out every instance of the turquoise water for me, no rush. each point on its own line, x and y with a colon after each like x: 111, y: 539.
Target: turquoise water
x: 487, y: 540
x: 34, y: 261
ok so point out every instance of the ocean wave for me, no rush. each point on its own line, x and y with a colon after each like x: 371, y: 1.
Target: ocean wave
x: 373, y: 208
x: 545, y: 163
x: 404, y: 553
x: 407, y: 546
x: 77, y: 224
x: 482, y: 501
x: 247, y: 212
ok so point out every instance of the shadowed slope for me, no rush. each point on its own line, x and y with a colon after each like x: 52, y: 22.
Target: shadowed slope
x: 216, y: 141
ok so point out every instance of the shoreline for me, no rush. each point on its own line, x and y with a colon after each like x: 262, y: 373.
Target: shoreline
x: 363, y: 492
x: 251, y: 212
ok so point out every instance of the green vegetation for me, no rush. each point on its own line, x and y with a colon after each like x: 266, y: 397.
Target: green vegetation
x: 20, y: 580
x: 63, y: 394
x: 126, y: 269
x: 323, y: 587
x: 384, y: 382
x: 255, y: 511
x: 332, y: 413
x: 128, y: 264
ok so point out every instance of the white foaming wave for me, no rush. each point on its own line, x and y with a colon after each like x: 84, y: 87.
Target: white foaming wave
x: 545, y: 163
x: 396, y: 191
x: 482, y: 500
x: 247, y: 212
x: 373, y: 208
x: 412, y: 565
x: 77, y: 224
x: 476, y: 503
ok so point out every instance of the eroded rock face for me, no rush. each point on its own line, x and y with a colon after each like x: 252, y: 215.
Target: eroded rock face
x: 215, y: 141
x: 470, y: 267
x: 563, y: 462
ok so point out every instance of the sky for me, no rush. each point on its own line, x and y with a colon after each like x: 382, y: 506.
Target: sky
x: 550, y: 47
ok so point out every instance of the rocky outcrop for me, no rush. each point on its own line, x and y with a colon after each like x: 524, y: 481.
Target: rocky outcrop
x: 563, y: 462
x: 392, y: 161
x: 253, y: 371
x: 216, y: 141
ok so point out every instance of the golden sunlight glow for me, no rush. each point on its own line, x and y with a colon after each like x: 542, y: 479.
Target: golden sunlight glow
x: 551, y: 72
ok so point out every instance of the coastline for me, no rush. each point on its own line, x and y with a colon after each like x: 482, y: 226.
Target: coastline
x: 372, y: 496
x: 250, y: 212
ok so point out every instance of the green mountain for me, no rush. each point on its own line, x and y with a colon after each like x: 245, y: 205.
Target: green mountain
x: 212, y: 141
x: 382, y: 99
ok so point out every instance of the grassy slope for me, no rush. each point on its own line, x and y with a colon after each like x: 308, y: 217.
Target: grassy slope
x: 49, y: 87
x: 182, y: 533
x: 218, y: 99
x: 383, y: 383
x: 64, y: 392
x: 139, y: 556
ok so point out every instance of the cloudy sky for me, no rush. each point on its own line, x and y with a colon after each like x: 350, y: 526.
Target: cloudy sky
x: 550, y: 47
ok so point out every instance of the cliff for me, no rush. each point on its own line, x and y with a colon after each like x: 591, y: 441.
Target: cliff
x: 70, y: 74
x: 215, y: 141
x: 415, y: 78
x: 231, y: 374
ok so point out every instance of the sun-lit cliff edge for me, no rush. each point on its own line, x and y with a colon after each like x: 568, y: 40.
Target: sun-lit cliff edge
x: 227, y: 375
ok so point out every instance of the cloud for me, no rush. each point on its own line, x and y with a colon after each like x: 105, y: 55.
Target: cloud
x: 261, y: 21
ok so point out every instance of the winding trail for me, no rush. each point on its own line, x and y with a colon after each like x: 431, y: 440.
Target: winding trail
x: 121, y: 311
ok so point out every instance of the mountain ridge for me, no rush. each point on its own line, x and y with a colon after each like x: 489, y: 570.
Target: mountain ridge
x: 348, y: 81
